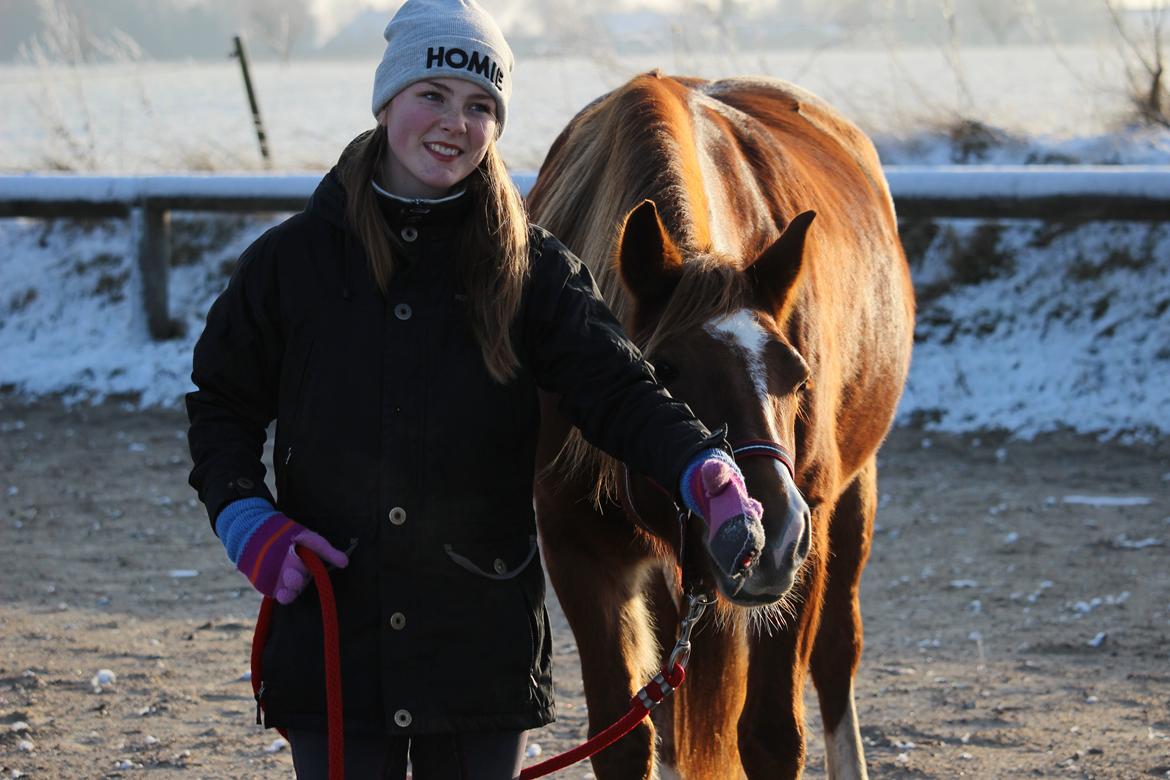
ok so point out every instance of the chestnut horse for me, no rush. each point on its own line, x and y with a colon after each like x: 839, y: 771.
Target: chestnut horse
x: 692, y: 202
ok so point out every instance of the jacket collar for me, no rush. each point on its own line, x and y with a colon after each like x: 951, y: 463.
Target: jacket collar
x: 328, y: 202
x: 422, y: 212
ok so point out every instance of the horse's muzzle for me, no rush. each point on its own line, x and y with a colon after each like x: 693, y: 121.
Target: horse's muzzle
x: 786, y: 546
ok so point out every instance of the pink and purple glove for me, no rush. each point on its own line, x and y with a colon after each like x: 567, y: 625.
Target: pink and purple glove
x: 261, y: 542
x: 713, y: 488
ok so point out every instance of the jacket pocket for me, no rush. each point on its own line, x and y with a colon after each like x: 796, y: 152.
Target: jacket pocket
x: 492, y: 561
x: 502, y: 584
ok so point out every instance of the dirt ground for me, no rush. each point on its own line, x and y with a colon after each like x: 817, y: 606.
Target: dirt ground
x: 1018, y: 624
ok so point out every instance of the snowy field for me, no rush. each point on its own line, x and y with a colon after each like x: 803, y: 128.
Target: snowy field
x: 1023, y: 326
x: 1054, y: 103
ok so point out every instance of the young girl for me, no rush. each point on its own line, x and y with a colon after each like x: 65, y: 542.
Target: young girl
x: 397, y: 330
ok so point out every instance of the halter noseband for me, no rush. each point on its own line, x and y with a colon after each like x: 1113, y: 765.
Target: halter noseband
x: 762, y: 448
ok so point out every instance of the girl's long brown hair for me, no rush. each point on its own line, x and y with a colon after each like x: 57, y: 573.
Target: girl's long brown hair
x: 493, y: 244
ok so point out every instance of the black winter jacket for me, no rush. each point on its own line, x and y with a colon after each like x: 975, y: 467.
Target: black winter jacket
x: 391, y: 432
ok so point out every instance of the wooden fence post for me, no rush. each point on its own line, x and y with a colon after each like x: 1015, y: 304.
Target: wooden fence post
x: 154, y: 263
x: 241, y: 54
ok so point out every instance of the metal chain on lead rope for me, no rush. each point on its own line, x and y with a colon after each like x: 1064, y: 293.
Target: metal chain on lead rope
x: 650, y: 696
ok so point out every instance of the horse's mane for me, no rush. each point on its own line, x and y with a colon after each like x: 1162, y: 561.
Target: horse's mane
x: 596, y: 172
x: 603, y: 165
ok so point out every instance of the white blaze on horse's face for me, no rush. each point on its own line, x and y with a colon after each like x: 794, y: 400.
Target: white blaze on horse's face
x: 743, y: 332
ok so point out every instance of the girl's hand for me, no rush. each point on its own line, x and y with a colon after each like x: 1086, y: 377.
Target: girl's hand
x: 261, y: 543
x: 713, y: 488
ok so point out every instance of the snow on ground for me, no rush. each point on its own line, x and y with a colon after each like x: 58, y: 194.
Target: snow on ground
x: 1023, y: 326
x: 71, y: 317
x: 1031, y: 327
x: 913, y: 181
x: 128, y: 189
x: 988, y: 145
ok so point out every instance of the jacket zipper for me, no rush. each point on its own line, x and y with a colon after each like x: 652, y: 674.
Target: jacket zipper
x: 259, y: 696
x: 298, y: 401
x: 282, y: 480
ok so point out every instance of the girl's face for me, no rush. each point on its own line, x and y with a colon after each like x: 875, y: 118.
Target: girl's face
x: 438, y: 131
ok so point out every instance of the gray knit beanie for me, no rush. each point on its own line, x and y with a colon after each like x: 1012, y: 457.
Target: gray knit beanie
x: 444, y: 39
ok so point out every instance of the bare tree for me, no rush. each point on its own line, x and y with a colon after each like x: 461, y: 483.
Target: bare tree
x: 951, y: 53
x: 853, y: 17
x: 279, y: 23
x: 1144, y: 51
x: 1001, y: 17
x: 61, y: 53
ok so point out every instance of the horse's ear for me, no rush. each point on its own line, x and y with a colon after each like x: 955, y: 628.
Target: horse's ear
x: 774, y: 273
x: 648, y: 259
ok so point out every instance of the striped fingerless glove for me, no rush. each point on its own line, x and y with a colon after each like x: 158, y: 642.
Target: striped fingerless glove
x: 260, y: 541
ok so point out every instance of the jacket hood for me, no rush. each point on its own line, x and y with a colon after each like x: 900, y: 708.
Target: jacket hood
x: 328, y: 200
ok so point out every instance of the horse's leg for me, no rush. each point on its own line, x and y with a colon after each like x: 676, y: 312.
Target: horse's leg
x: 837, y: 651
x: 597, y: 564
x: 707, y: 707
x: 664, y: 603
x: 771, y: 727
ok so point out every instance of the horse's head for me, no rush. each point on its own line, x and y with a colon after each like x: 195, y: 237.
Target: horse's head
x: 713, y: 334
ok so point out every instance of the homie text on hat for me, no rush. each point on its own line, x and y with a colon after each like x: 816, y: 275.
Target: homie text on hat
x: 444, y: 39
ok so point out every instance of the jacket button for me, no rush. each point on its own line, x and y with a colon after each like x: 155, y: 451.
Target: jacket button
x: 499, y: 565
x: 402, y: 718
x: 409, y: 233
x: 402, y: 311
x: 398, y: 621
x: 243, y: 483
x: 397, y: 515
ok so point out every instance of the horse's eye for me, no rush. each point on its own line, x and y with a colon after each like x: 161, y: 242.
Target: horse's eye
x: 666, y: 372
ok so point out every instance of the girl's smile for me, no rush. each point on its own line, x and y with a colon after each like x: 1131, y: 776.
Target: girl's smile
x: 438, y: 131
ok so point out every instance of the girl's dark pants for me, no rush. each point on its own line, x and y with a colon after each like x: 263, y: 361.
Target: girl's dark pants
x: 490, y: 756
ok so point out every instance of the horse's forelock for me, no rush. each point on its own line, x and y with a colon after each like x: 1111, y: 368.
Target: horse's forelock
x: 710, y: 287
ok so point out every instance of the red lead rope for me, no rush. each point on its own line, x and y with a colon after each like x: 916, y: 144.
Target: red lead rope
x: 663, y: 684
x: 332, y: 659
x: 656, y: 690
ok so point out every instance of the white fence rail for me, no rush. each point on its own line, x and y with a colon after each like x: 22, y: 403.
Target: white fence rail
x: 1058, y: 193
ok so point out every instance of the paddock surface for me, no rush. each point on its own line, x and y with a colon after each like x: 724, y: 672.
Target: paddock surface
x: 1017, y: 609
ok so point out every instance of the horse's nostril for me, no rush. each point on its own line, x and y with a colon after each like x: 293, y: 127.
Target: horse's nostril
x: 804, y: 544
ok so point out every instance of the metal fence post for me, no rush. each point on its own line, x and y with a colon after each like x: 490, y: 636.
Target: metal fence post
x: 241, y: 54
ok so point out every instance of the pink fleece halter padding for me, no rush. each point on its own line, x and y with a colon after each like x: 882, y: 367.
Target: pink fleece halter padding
x: 725, y: 494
